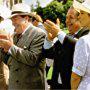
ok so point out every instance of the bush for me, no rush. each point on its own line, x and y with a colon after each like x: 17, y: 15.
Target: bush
x: 55, y: 10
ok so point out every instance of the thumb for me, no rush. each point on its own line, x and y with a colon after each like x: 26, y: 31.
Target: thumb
x: 58, y: 21
x: 50, y: 37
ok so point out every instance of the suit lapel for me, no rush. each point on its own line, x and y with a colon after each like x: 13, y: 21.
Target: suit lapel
x: 26, y: 38
x: 23, y: 39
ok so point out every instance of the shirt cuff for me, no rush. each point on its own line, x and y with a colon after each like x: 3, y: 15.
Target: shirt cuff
x: 47, y: 44
x: 75, y: 70
x: 61, y: 35
x: 9, y: 51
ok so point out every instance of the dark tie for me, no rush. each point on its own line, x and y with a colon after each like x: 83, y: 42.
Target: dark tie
x: 18, y: 37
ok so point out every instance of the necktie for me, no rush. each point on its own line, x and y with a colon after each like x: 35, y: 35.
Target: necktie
x: 18, y: 37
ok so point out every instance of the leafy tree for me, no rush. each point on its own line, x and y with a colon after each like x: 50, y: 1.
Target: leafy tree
x: 39, y: 10
x: 55, y: 10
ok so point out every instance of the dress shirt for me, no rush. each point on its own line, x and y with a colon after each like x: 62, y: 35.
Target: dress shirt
x: 40, y: 25
x: 48, y: 44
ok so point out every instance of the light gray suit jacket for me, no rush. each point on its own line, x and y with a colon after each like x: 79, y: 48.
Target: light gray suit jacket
x: 26, y: 63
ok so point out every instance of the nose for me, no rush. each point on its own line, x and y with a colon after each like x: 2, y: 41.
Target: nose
x: 67, y: 22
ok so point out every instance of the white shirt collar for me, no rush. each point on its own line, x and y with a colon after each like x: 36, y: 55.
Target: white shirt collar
x: 27, y: 28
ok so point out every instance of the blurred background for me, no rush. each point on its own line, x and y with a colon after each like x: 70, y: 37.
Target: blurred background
x: 47, y: 9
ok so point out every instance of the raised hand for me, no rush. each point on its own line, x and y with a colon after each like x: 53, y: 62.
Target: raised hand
x: 6, y: 42
x: 51, y: 28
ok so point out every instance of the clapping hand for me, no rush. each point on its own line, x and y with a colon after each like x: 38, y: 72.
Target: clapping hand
x: 6, y: 41
x: 52, y: 29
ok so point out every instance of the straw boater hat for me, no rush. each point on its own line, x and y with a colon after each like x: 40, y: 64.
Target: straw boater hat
x: 20, y: 9
x: 85, y: 6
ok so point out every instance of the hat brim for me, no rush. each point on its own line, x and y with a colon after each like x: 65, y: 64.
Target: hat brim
x: 80, y: 7
x: 28, y: 14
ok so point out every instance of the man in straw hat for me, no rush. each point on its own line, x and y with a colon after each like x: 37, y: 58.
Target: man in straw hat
x: 25, y: 62
x: 80, y: 79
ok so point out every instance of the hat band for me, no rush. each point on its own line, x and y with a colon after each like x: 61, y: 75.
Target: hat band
x: 14, y: 12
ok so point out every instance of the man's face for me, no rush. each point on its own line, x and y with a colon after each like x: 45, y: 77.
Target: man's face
x: 71, y: 21
x: 17, y: 22
x: 84, y: 18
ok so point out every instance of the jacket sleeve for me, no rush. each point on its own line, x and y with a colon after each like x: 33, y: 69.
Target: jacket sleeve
x: 50, y: 53
x: 31, y: 55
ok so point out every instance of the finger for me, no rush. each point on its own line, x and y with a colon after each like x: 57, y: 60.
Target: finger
x: 1, y: 44
x: 3, y: 36
x: 49, y: 34
x: 50, y: 23
x: 58, y: 21
x: 47, y: 30
x: 47, y: 27
x: 50, y: 37
x: 3, y: 41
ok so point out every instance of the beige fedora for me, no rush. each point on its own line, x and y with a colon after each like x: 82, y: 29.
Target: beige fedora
x: 20, y: 9
x: 85, y: 6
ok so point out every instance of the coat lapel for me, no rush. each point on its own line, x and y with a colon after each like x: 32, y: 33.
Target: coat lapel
x: 26, y: 38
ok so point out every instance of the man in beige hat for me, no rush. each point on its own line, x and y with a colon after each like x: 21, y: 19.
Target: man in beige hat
x: 4, y: 71
x: 25, y: 50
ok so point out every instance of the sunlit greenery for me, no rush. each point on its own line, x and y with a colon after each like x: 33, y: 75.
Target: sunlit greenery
x: 54, y: 10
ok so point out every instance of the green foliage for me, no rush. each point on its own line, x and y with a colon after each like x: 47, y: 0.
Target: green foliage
x: 55, y: 10
x: 39, y: 10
